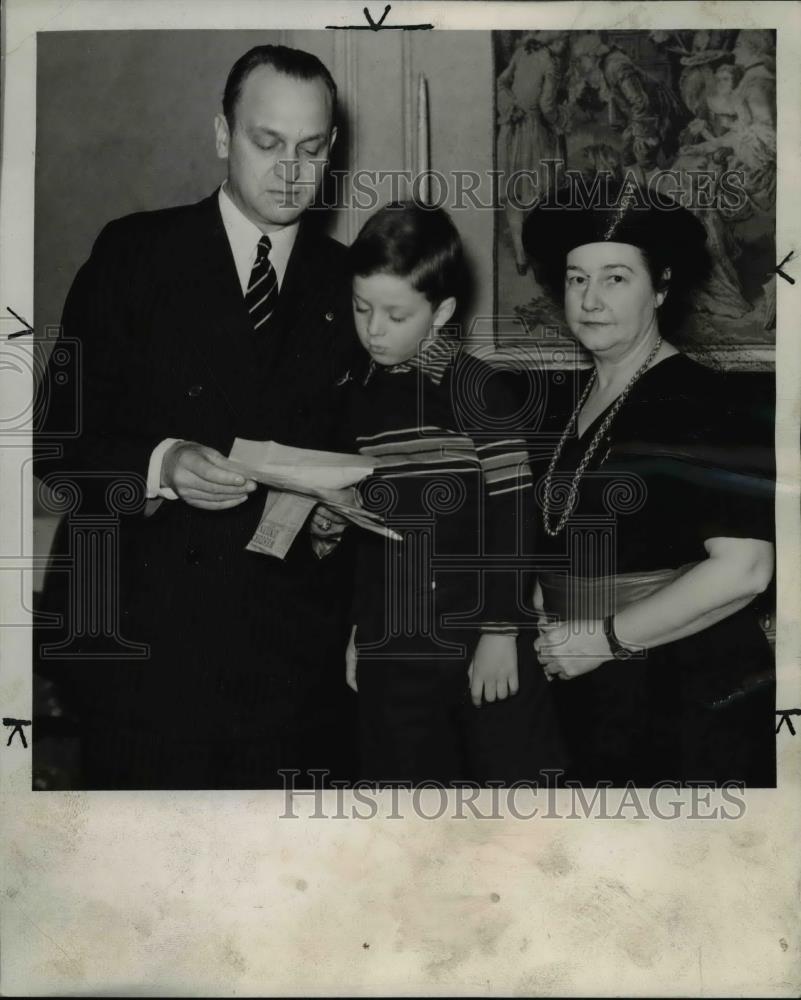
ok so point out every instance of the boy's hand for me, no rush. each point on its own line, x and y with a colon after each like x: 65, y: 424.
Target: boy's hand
x: 351, y: 657
x: 327, y: 524
x: 493, y: 669
x: 326, y: 529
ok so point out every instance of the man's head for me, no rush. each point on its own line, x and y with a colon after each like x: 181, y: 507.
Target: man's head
x: 754, y: 46
x: 276, y: 131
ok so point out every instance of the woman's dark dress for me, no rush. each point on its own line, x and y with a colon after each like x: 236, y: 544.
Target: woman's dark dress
x: 672, y: 472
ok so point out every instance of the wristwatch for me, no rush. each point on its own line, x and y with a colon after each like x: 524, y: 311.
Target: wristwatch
x: 618, y: 650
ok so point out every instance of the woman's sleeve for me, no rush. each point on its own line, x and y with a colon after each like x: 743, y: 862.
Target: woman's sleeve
x: 732, y: 477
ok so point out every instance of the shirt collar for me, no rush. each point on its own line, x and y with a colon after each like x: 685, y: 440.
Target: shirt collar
x: 244, y: 235
x: 432, y: 359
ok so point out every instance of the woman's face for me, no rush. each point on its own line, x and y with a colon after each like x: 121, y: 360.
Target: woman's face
x: 610, y: 301
x: 725, y: 80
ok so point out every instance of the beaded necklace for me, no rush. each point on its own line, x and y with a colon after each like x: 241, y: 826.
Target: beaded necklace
x: 572, y: 495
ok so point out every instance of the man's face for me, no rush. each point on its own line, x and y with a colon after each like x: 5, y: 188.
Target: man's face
x: 743, y: 55
x: 587, y: 65
x: 278, y: 148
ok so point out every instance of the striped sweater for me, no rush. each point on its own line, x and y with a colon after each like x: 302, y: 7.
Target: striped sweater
x: 453, y: 479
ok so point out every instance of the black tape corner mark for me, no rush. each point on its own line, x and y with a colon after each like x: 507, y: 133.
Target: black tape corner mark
x: 780, y: 265
x: 19, y: 333
x: 379, y: 25
x: 16, y: 726
x: 785, y: 717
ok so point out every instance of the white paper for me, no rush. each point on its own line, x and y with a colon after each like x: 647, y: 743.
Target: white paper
x: 299, y: 470
x: 283, y: 517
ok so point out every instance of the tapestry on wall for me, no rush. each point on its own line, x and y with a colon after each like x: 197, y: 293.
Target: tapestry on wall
x: 691, y: 111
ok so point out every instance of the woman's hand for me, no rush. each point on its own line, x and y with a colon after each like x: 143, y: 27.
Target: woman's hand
x: 493, y: 669
x: 570, y: 649
x: 351, y: 658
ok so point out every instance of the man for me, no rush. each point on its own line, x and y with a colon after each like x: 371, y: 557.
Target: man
x: 199, y: 324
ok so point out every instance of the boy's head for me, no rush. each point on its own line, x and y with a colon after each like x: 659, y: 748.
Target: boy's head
x: 407, y: 266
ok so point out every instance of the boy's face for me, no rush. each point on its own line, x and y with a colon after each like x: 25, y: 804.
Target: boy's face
x: 392, y: 318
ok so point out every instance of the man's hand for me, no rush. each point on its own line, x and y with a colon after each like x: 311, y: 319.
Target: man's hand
x: 351, y: 657
x: 203, y: 477
x: 493, y: 670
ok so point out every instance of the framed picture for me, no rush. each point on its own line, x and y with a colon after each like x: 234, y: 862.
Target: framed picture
x: 690, y: 113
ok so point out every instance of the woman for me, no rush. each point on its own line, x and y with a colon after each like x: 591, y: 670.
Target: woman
x: 721, y: 107
x: 655, y: 549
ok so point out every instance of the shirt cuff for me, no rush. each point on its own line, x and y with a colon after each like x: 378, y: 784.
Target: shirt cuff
x: 154, y: 487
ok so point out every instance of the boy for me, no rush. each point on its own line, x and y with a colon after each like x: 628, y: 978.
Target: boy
x: 434, y: 616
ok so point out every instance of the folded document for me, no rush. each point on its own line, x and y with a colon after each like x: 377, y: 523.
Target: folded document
x: 300, y: 478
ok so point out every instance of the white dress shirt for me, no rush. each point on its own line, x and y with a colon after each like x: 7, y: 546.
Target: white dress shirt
x: 243, y: 237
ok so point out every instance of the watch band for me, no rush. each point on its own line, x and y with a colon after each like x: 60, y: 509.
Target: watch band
x: 618, y: 650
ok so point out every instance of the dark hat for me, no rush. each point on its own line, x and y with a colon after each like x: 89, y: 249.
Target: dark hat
x: 610, y: 210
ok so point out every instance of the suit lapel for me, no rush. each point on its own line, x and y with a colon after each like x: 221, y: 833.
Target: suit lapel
x: 299, y: 325
x: 223, y: 333
x: 242, y: 363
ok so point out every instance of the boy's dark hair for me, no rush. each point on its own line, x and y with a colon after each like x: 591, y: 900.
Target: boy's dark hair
x: 408, y: 241
x: 291, y: 62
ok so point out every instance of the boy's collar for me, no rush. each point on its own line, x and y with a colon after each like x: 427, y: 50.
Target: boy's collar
x: 432, y: 359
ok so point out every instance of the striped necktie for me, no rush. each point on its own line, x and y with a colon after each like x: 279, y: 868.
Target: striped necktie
x: 262, y: 294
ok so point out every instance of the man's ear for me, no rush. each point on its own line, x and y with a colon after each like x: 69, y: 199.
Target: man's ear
x: 443, y: 312
x: 333, y: 139
x: 222, y: 136
x: 665, y: 282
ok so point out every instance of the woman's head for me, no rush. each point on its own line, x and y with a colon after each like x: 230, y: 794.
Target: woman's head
x: 408, y: 271
x: 727, y: 76
x: 611, y: 296
x: 664, y: 245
